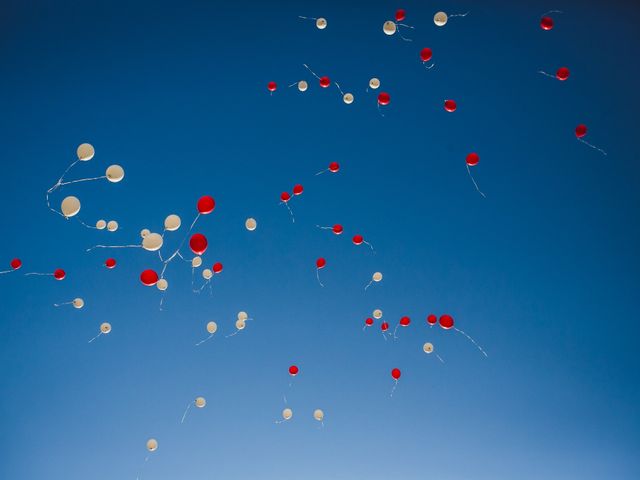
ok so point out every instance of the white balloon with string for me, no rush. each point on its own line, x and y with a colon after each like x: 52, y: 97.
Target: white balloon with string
x: 212, y: 328
x: 105, y: 329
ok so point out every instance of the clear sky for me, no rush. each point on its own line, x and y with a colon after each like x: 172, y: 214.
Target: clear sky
x: 542, y: 272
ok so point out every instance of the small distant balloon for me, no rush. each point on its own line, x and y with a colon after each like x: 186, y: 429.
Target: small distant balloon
x: 101, y: 224
x: 395, y: 373
x: 77, y: 303
x: 172, y: 223
x: 374, y: 83
x: 200, y: 402
x: 152, y: 242
x: 105, y: 328
x: 144, y: 232
x: 112, y: 225
x: 16, y: 263
x: 562, y: 74
x: 162, y: 284
x: 287, y: 413
x: 152, y: 444
x: 440, y: 19
x: 115, y: 173
x: 384, y: 98
x: 272, y: 86
x: 450, y: 105
x: 321, y: 23
x: 546, y: 23
x: 389, y: 27
x: 196, y: 262
x: 348, y: 98
x: 293, y: 370
x: 149, y: 278
x: 426, y: 54
x: 207, y: 274
x: 206, y: 204
x: 377, y: 314
x: 59, y: 274
x: 432, y: 319
x: 325, y: 82
x: 400, y: 15
x: 250, y: 224
x: 212, y: 327
x: 110, y: 263
x: 427, y: 347
x: 217, y: 267
x: 318, y: 415
x: 303, y: 85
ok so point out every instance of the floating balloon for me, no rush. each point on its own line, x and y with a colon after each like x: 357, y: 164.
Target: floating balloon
x: 368, y: 322
x: 337, y: 229
x: 105, y: 328
x: 250, y: 224
x: 302, y: 85
x: 450, y: 105
x: 389, y: 27
x: 78, y: 303
x: 425, y: 56
x: 243, y: 316
x: 272, y: 86
x: 581, y: 132
x: 198, y: 243
x: 404, y: 322
x: 285, y: 197
x: 325, y: 82
x: 440, y: 19
x: 471, y: 161
x: 395, y: 373
x: 428, y: 349
x: 152, y: 242
x: 298, y: 189
x: 240, y: 324
x: 112, y: 225
x: 374, y: 83
x: 101, y: 224
x: 16, y: 263
x: 110, y: 263
x: 562, y: 74
x: 384, y: 98
x: 59, y: 274
x: 200, y: 402
x: 85, y: 152
x: 348, y: 98
x: 149, y: 278
x: 212, y: 327
x: 152, y: 444
x: 546, y: 23
x: 162, y: 284
x: 196, y: 262
x: 293, y: 370
x: 334, y: 167
x: 114, y: 173
x: 70, y: 206
x: 447, y: 323
x: 318, y: 415
x: 432, y: 319
x: 400, y: 15
x: 321, y: 23
x: 207, y: 274
x: 377, y: 314
x: 287, y: 413
x: 206, y: 204
x: 217, y: 267
x: 144, y: 232
x: 359, y: 240
x: 376, y: 277
x: 320, y: 263
x: 384, y: 326
x: 172, y: 223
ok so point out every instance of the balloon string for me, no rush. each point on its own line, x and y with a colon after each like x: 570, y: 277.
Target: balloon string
x: 320, y: 173
x: 113, y: 246
x: 94, y: 337
x: 292, y: 85
x: 370, y: 246
x: 380, y: 111
x: 474, y: 182
x: 85, y: 225
x: 430, y: 66
x: 395, y: 337
x: 551, y: 11
x: 201, y: 342
x: 82, y: 180
x: 185, y: 412
x: 312, y: 72
x: 318, y: 277
x: 233, y: 334
x: 324, y: 228
x: 472, y: 341
x: 306, y: 18
x: 546, y: 74
x: 41, y: 274
x: 6, y: 271
x: 395, y: 385
x: 59, y: 182
x: 339, y: 89
x: 400, y: 34
x: 460, y: 14
x: 293, y: 219
x: 60, y: 304
x: 368, y: 285
x: 439, y: 358
x: 593, y: 146
x: 384, y: 335
x: 284, y: 397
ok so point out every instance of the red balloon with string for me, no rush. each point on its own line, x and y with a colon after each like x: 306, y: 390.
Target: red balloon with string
x: 432, y: 319
x: 320, y: 263
x: 293, y: 370
x: 426, y: 54
x: 198, y: 243
x: 16, y: 263
x: 217, y: 267
x: 368, y: 322
x: 384, y: 98
x: 337, y: 229
x: 59, y: 274
x: 298, y: 189
x: 272, y: 86
x: 357, y: 239
x: 384, y: 326
x: 472, y: 159
x: 562, y: 74
x: 546, y: 23
x: 334, y: 167
x: 285, y: 197
x: 396, y: 373
x: 149, y: 278
x: 206, y: 204
x: 325, y: 82
x: 400, y: 15
x: 405, y: 321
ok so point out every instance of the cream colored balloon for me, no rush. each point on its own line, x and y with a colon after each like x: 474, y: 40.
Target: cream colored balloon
x: 70, y: 206
x: 152, y: 242
x: 243, y: 316
x: 162, y: 284
x: 374, y: 83
x: 112, y: 226
x: 348, y: 98
x: 212, y: 327
x: 105, y: 328
x: 440, y: 19
x: 287, y: 413
x: 318, y: 415
x: 115, y: 173
x: 377, y: 277
x: 144, y: 232
x: 85, y: 152
x: 78, y: 303
x: 389, y: 27
x: 250, y: 224
x: 302, y: 86
x: 377, y: 314
x: 207, y: 274
x: 200, y: 402
x: 321, y: 23
x: 196, y: 262
x: 427, y: 347
x: 101, y: 224
x: 172, y: 222
x: 152, y: 444
x: 240, y: 324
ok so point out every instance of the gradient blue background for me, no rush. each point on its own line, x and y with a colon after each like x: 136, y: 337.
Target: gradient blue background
x: 543, y: 272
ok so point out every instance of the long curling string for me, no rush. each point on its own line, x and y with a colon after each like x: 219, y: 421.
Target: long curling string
x: 112, y: 246
x: 312, y: 72
x: 395, y: 385
x: 293, y: 219
x: 474, y: 182
x: 185, y: 412
x: 472, y: 341
x: 401, y: 36
x: 368, y: 285
x: 318, y: 277
x: 460, y: 14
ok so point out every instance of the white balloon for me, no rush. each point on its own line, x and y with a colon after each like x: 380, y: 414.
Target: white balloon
x: 152, y: 444
x: 196, y: 262
x: 212, y: 327
x: 200, y: 402
x: 105, y: 328
x: 302, y: 86
x: 78, y: 302
x: 348, y: 98
x: 427, y: 347
x: 440, y: 19
x: 172, y: 222
x: 389, y: 27
x: 377, y: 314
x: 101, y: 224
x: 377, y: 277
x: 112, y: 226
x: 243, y: 316
x: 70, y: 206
x: 321, y: 23
x: 85, y: 152
x: 144, y: 232
x: 240, y: 324
x: 152, y: 242
x: 287, y: 413
x: 162, y: 284
x: 115, y: 173
x: 207, y: 274
x: 250, y: 224
x: 374, y: 83
x: 318, y: 415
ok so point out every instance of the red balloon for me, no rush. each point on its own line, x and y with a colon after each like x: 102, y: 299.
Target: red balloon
x: 293, y: 370
x: 334, y: 167
x: 320, y: 263
x: 198, y: 243
x: 271, y: 86
x: 357, y: 239
x: 581, y: 130
x: 217, y: 267
x: 110, y: 262
x: 337, y: 229
x: 446, y: 321
x: 384, y: 98
x: 285, y: 197
x: 395, y: 373
x: 59, y: 274
x: 325, y: 82
x: 149, y: 278
x: 206, y: 205
x: 400, y: 15
x: 473, y: 159
x: 384, y: 326
x: 426, y: 54
x: 16, y: 263
x: 368, y: 322
x: 546, y: 23
x: 450, y: 105
x: 405, y: 321
x: 432, y: 319
x: 562, y: 74
x: 297, y: 189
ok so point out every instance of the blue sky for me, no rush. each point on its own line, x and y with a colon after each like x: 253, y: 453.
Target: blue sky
x: 541, y: 272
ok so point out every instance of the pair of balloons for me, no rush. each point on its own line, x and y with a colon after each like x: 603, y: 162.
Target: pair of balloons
x: 111, y: 225
x: 446, y: 321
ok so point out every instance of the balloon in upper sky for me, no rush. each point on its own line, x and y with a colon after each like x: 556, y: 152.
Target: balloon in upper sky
x: 440, y: 19
x: 172, y: 222
x: 389, y: 27
x: 152, y: 242
x: 70, y: 206
x: 85, y: 152
x: 115, y: 173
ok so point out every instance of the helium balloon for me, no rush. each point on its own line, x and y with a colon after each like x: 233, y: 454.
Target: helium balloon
x: 250, y: 224
x: 115, y: 173
x: 101, y: 224
x: 206, y: 205
x: 450, y: 105
x: 348, y: 98
x: 243, y: 316
x: 546, y: 23
x: 357, y: 239
x: 105, y: 328
x: 440, y: 19
x: 405, y: 321
x: 287, y: 413
x: 196, y: 262
x: 321, y: 23
x: 59, y: 274
x: 112, y: 225
x: 200, y: 402
x: 152, y: 242
x: 427, y: 347
x: 207, y: 274
x: 432, y: 319
x: 400, y: 15
x: 16, y: 263
x: 172, y: 223
x: 377, y: 314
x: 212, y: 327
x: 85, y: 152
x: 446, y: 321
x: 581, y: 130
x: 240, y: 324
x: 389, y: 28
x: 368, y: 322
x: 472, y: 159
x: 293, y: 370
x: 217, y: 267
x: 318, y: 415
x: 377, y: 277
x: 198, y: 243
x: 337, y: 229
x: 144, y: 232
x: 384, y: 98
x: 162, y: 284
x: 562, y: 74
x: 110, y: 263
x: 70, y: 206
x: 325, y: 82
x: 149, y: 278
x: 302, y: 86
x: 297, y: 189
x: 78, y: 303
x: 285, y: 197
x: 374, y: 83
x: 334, y: 167
x: 426, y: 54
x: 152, y: 444
x: 395, y: 373
x: 272, y: 86
x: 384, y: 326
x: 321, y: 262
